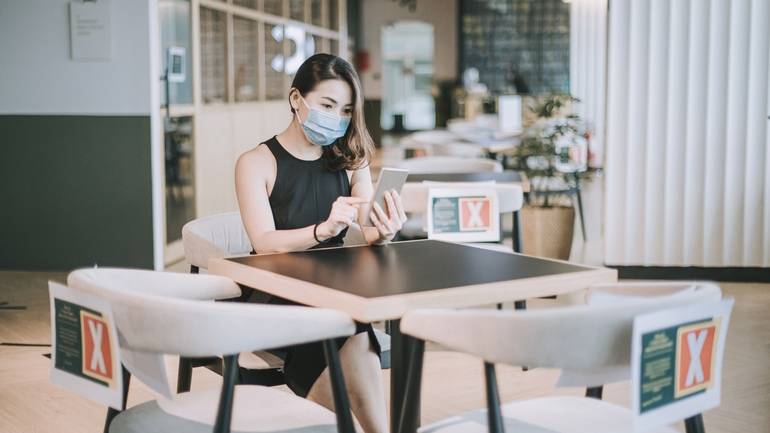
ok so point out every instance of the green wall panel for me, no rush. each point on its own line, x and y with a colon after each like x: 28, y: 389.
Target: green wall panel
x: 75, y: 191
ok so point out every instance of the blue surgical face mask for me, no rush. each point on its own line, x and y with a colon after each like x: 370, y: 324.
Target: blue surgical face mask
x: 323, y: 128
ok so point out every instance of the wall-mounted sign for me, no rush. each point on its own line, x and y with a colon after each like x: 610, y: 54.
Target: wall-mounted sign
x: 175, y: 61
x: 85, y: 355
x: 463, y: 215
x: 90, y: 30
x: 677, y: 362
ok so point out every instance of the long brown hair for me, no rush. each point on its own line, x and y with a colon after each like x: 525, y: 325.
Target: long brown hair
x: 354, y: 150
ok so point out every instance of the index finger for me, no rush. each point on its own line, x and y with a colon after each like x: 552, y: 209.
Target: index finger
x: 354, y: 200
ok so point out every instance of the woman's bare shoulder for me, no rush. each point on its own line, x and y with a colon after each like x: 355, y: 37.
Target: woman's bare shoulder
x: 258, y: 159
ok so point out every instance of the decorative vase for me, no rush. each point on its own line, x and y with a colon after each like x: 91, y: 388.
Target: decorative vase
x: 548, y: 231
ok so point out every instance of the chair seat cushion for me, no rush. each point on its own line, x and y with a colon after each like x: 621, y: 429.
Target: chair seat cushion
x: 255, y: 409
x: 548, y: 415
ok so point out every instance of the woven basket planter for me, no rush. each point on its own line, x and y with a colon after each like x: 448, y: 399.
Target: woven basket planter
x: 548, y: 231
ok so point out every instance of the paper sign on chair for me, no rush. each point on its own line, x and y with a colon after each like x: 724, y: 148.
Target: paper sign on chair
x: 463, y: 215
x: 676, y: 362
x: 85, y: 355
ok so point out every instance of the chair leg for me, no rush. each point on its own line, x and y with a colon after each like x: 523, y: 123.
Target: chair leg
x: 694, y: 424
x: 595, y: 392
x: 579, y: 196
x: 521, y: 305
x: 495, y: 416
x: 184, y: 376
x: 229, y: 380
x: 517, y: 232
x: 339, y: 391
x: 112, y: 413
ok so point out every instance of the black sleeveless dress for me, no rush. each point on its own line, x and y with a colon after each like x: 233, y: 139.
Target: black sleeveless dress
x: 302, y: 196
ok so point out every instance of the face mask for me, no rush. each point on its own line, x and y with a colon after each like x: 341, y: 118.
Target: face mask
x: 323, y: 128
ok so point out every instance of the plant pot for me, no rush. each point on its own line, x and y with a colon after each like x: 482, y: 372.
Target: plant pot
x: 547, y: 231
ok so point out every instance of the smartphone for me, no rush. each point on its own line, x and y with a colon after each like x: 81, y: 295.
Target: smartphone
x: 390, y: 179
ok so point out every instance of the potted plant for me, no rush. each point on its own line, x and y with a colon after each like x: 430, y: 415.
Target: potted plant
x: 551, y: 156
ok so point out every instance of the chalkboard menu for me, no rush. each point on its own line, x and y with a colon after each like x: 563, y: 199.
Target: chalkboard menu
x: 517, y: 45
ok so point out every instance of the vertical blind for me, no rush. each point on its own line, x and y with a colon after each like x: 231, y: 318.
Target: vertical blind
x: 588, y: 61
x: 688, y: 166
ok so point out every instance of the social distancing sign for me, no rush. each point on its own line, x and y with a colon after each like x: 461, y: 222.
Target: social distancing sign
x: 677, y: 362
x: 85, y: 354
x: 463, y: 215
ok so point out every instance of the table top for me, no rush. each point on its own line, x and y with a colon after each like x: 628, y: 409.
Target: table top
x: 373, y: 283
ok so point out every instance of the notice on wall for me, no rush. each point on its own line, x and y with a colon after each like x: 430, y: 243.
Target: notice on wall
x: 463, y: 215
x: 90, y: 30
x: 676, y: 362
x: 85, y: 355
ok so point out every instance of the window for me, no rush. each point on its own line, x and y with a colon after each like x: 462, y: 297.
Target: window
x: 213, y: 52
x: 245, y: 53
x: 274, y: 85
x: 266, y: 51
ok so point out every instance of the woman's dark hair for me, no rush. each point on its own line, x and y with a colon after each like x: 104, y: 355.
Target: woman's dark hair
x: 355, y: 149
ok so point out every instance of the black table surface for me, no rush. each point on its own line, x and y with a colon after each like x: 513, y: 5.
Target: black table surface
x: 405, y: 267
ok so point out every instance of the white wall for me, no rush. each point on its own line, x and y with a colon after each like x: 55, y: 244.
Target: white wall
x: 688, y: 135
x: 37, y: 75
x: 588, y: 63
x: 222, y: 133
x: 442, y: 14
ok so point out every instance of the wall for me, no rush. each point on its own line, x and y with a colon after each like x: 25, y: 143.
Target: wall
x: 377, y: 13
x: 222, y: 133
x: 77, y: 140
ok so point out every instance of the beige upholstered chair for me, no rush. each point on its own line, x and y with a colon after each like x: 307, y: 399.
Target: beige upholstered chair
x: 163, y: 324
x: 589, y: 343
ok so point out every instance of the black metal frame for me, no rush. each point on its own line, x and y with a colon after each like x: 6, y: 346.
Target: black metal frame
x: 494, y: 413
x: 112, y: 413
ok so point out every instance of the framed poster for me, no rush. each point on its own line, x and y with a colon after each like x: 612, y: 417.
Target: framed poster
x: 463, y: 215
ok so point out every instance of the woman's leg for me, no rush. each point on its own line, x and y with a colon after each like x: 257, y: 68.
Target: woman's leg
x: 363, y: 380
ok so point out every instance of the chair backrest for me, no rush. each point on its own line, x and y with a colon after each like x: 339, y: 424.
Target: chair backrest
x: 214, y: 236
x: 414, y: 195
x: 199, y: 328
x: 432, y: 137
x: 105, y: 281
x: 449, y: 164
x: 458, y: 149
x: 581, y: 338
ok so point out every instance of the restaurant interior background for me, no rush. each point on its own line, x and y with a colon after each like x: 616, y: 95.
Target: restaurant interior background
x: 672, y: 100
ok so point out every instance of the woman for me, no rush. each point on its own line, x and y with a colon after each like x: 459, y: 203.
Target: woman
x: 302, y: 189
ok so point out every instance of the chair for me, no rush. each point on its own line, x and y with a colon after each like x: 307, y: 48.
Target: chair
x: 223, y: 235
x: 449, y: 164
x: 105, y: 281
x: 193, y: 328
x: 589, y: 341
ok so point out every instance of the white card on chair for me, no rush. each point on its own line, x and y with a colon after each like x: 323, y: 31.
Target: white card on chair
x: 463, y: 215
x: 676, y: 362
x: 85, y: 357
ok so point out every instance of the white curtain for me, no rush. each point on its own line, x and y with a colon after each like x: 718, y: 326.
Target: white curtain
x: 688, y: 166
x: 588, y: 63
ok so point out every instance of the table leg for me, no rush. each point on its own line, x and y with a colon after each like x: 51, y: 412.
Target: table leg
x: 403, y: 356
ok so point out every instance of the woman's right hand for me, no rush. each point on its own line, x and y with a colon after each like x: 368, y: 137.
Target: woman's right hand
x: 344, y: 213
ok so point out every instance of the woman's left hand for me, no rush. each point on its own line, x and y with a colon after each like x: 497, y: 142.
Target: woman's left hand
x: 389, y: 222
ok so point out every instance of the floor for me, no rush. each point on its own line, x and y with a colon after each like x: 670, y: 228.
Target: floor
x: 30, y: 404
